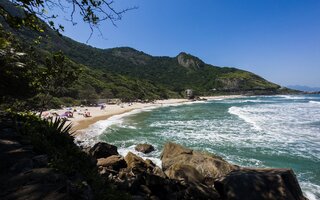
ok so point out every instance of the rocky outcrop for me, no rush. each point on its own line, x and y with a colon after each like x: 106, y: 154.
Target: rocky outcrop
x: 254, y: 184
x: 103, y: 150
x: 184, y: 172
x: 115, y: 162
x: 136, y: 164
x: 208, y: 165
x: 144, y: 180
x: 189, y: 61
x: 230, y: 83
x: 144, y: 148
x: 231, y: 182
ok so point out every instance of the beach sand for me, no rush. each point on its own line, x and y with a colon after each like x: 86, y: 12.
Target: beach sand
x: 80, y: 123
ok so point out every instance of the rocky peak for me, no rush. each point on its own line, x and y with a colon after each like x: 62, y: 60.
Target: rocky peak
x: 130, y: 54
x: 189, y: 61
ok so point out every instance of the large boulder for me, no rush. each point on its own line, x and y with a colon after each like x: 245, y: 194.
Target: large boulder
x: 184, y: 172
x: 114, y: 162
x: 251, y: 184
x: 208, y: 165
x: 103, y: 150
x: 144, y: 148
x: 136, y: 164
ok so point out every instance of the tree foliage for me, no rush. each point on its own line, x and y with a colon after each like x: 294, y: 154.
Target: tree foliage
x: 93, y: 13
x: 17, y: 71
x: 30, y: 80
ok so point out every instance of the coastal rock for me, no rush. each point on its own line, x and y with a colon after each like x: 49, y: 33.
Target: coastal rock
x: 144, y: 148
x: 154, y: 186
x: 135, y: 163
x: 114, y: 162
x: 208, y: 165
x: 261, y: 184
x: 158, y: 171
x: 103, y: 150
x: 184, y: 172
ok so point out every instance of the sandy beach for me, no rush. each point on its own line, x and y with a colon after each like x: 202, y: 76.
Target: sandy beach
x: 80, y: 123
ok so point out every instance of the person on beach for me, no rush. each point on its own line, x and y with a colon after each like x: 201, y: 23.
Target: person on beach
x: 87, y: 114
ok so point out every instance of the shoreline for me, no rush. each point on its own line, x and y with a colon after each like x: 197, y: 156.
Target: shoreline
x: 81, y: 123
x: 81, y: 126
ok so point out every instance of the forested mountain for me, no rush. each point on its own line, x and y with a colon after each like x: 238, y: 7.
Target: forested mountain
x: 130, y: 74
x: 176, y: 73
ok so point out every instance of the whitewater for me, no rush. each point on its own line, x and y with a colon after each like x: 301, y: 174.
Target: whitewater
x: 260, y: 131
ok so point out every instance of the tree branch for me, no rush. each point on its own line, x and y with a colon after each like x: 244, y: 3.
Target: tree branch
x: 93, y: 12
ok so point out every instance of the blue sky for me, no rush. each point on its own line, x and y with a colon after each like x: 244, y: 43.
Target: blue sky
x: 276, y: 39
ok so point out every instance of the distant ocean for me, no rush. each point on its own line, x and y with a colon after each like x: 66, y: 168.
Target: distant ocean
x: 261, y: 131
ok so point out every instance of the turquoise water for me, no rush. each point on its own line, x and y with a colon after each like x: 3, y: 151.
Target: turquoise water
x: 263, y: 131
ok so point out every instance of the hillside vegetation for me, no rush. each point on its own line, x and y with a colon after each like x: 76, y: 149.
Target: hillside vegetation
x: 130, y: 74
x: 175, y: 73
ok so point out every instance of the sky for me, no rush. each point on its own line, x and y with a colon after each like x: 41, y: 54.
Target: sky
x: 276, y: 39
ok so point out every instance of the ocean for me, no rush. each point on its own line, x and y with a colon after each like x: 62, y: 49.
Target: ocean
x: 280, y: 131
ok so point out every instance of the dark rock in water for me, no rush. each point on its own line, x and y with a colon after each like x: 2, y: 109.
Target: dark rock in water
x: 144, y: 148
x: 252, y: 184
x: 208, y: 165
x: 103, y: 150
x: 184, y: 172
x: 114, y: 162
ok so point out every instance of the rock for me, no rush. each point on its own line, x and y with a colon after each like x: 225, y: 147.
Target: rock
x: 189, y: 61
x: 135, y: 163
x: 184, y: 172
x: 114, y: 162
x: 162, y: 188
x: 145, y: 189
x: 144, y: 148
x: 200, y: 191
x: 261, y: 184
x: 154, y: 198
x: 80, y: 190
x: 137, y: 197
x: 158, y: 171
x: 22, y: 165
x: 103, y: 150
x: 150, y: 163
x: 208, y: 165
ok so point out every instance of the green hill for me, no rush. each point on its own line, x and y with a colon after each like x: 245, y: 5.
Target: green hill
x: 175, y: 73
x: 131, y: 74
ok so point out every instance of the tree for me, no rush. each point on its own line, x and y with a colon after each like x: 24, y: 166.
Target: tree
x: 93, y: 12
x: 17, y: 71
x: 55, y: 78
x: 29, y: 82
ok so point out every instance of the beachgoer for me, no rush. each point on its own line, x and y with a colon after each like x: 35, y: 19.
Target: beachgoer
x: 87, y: 114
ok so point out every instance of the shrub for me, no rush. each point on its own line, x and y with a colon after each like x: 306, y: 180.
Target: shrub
x: 52, y: 137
